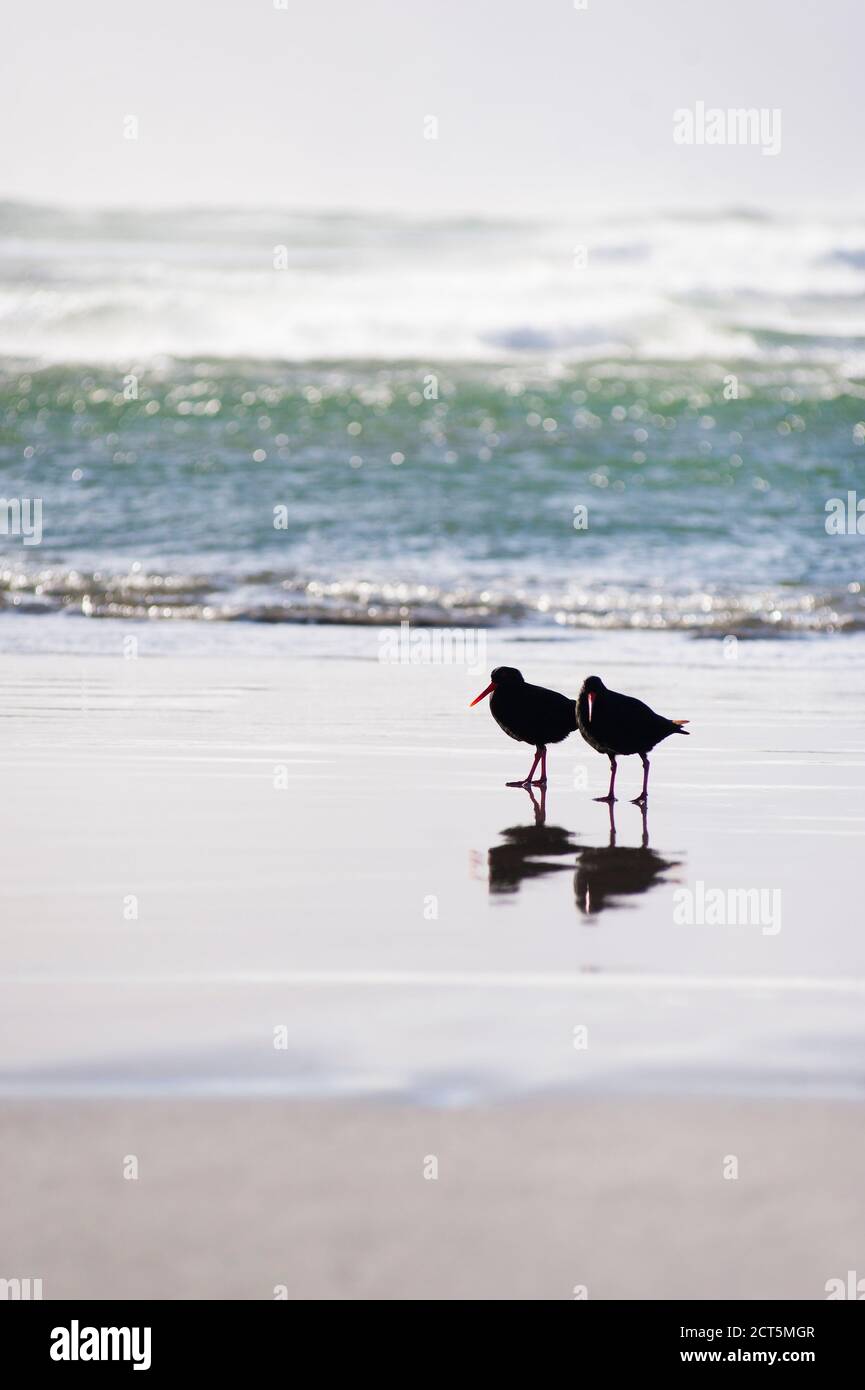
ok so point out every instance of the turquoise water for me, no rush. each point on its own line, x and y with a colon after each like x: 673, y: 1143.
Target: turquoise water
x: 401, y: 419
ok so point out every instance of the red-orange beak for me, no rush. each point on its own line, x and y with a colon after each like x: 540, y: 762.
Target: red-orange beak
x: 489, y: 690
x: 591, y: 700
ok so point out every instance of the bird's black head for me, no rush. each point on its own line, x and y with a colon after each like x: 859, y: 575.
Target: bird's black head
x: 506, y: 675
x: 593, y: 686
x: 502, y: 675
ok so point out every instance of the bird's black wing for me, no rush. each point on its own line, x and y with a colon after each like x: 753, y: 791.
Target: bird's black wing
x: 557, y: 711
x: 637, y: 727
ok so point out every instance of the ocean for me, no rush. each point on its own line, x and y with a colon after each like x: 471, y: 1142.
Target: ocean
x: 629, y: 422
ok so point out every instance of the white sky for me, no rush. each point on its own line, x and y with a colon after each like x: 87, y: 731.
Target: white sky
x: 541, y: 107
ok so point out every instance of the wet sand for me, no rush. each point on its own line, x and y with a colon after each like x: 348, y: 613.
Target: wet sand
x: 295, y: 882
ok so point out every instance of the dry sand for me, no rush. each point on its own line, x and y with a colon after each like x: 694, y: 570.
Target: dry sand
x: 234, y: 1199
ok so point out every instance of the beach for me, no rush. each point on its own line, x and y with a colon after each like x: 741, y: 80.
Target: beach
x: 565, y: 1199
x: 346, y: 358
x: 275, y: 928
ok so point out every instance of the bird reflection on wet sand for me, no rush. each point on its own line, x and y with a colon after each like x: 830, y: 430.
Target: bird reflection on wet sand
x: 526, y: 850
x: 608, y: 873
x: 602, y: 875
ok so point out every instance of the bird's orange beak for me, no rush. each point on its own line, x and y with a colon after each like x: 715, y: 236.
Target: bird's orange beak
x: 591, y: 700
x: 489, y: 690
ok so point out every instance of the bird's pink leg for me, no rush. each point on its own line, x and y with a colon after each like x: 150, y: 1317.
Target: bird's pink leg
x: 610, y: 794
x: 543, y: 777
x: 528, y: 780
x: 643, y: 797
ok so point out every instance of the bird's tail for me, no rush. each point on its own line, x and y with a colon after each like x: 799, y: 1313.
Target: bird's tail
x: 678, y: 723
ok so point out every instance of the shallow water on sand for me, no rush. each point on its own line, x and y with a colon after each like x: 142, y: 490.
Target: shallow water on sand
x: 298, y: 836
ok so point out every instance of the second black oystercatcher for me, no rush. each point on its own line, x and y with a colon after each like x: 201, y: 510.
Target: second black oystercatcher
x: 617, y: 725
x: 530, y: 714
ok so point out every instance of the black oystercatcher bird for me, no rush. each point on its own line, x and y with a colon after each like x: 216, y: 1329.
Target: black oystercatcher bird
x: 530, y: 714
x: 618, y: 725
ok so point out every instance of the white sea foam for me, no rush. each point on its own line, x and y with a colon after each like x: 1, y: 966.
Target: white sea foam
x: 131, y: 286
